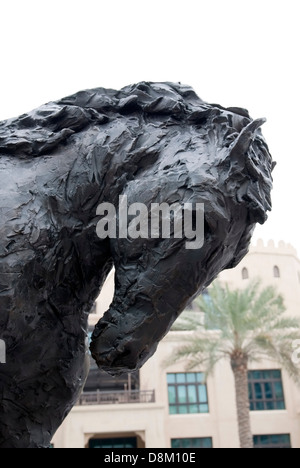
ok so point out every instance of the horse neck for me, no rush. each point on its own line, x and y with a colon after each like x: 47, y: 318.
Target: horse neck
x: 112, y: 155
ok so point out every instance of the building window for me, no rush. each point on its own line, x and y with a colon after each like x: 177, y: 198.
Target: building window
x: 245, y: 274
x: 276, y: 272
x: 202, y: 443
x: 272, y: 441
x: 266, y: 390
x: 187, y: 393
x: 118, y: 442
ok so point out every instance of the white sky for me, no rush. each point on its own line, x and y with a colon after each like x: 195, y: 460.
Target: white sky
x: 233, y: 52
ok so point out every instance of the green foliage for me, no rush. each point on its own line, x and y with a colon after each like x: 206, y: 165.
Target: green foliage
x: 252, y: 321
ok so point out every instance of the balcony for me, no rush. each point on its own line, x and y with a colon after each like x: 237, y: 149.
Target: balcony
x: 116, y: 398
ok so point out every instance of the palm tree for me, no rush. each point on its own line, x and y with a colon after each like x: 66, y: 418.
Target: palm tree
x: 240, y: 326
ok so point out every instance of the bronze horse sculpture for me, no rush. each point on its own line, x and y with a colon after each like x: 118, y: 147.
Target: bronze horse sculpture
x: 153, y: 142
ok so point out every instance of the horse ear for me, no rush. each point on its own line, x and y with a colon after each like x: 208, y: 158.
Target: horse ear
x: 242, y: 144
x: 245, y: 163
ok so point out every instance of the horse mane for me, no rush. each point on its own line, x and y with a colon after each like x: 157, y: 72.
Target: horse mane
x: 245, y: 170
x: 42, y: 130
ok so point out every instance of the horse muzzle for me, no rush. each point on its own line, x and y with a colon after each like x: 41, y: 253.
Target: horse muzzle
x: 124, y: 342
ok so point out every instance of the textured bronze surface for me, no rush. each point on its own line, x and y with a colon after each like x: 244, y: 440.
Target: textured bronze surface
x: 153, y: 143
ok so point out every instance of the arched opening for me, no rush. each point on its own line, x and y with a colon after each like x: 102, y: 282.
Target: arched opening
x: 276, y: 272
x: 130, y: 440
x: 245, y: 273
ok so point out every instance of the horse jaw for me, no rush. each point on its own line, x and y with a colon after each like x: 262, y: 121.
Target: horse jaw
x: 152, y: 292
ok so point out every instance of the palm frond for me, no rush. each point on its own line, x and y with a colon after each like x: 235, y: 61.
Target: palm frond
x: 251, y: 320
x: 278, y: 348
x: 200, y: 351
x: 189, y: 321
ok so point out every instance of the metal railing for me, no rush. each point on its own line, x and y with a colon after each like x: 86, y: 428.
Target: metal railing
x: 117, y: 398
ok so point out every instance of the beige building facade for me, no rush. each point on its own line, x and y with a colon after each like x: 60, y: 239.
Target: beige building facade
x: 169, y: 407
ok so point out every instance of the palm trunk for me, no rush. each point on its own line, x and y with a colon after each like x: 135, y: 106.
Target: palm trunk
x: 239, y: 365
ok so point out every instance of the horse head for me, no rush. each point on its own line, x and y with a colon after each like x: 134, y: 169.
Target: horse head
x: 194, y: 153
